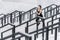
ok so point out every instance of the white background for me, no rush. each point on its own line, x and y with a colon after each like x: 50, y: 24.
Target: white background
x: 7, y: 6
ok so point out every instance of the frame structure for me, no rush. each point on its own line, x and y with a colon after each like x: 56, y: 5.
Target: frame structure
x: 18, y: 17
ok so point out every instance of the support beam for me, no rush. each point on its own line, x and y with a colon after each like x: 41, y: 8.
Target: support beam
x: 19, y: 39
x: 59, y: 25
x: 30, y: 15
x: 43, y: 29
x: 47, y: 32
x: 20, y: 20
x: 30, y: 38
x: 13, y: 33
x: 56, y: 34
x: 10, y: 18
x: 2, y: 21
x: 52, y: 26
x: 34, y: 37
x: 2, y: 36
x: 26, y: 31
x: 37, y: 29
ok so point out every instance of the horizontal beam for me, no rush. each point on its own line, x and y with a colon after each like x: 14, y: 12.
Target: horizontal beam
x: 22, y: 34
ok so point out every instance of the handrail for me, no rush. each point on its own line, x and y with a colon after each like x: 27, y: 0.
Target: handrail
x: 44, y: 28
x: 18, y: 11
x: 35, y: 23
x: 40, y: 18
x: 25, y: 12
x: 31, y: 25
x: 48, y: 26
x: 36, y: 7
x: 50, y: 5
x: 35, y: 18
x: 30, y: 9
x: 28, y: 26
x: 26, y: 22
x: 8, y: 24
x: 18, y: 33
x: 39, y: 29
x: 48, y: 30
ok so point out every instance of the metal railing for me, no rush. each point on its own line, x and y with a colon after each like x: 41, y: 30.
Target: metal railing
x: 19, y: 17
x: 43, y: 21
x: 13, y: 35
x: 27, y: 36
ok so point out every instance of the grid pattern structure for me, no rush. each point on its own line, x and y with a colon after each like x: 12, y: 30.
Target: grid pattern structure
x: 26, y: 17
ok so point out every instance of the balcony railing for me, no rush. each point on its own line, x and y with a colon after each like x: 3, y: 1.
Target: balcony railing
x: 54, y: 11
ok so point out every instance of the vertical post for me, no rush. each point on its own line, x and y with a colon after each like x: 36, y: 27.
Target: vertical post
x: 14, y: 16
x: 52, y: 26
x: 50, y: 11
x: 30, y: 15
x: 43, y: 29
x: 19, y: 39
x: 56, y: 12
x: 37, y: 30
x: 26, y: 31
x: 56, y: 33
x: 13, y: 33
x: 47, y: 32
x: 30, y: 38
x: 34, y: 37
x: 59, y: 25
x: 2, y: 36
x: 44, y: 13
x: 8, y: 19
x: 2, y: 21
x: 20, y: 18
x: 47, y: 12
x: 11, y: 18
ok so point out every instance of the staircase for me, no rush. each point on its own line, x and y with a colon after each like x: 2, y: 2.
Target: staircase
x: 24, y: 27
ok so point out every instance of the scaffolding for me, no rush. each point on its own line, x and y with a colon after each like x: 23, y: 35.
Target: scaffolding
x: 49, y: 12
